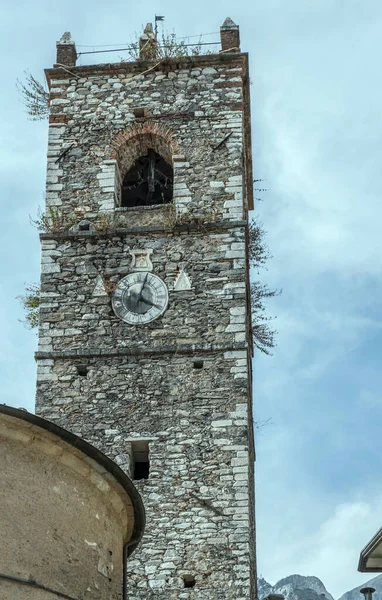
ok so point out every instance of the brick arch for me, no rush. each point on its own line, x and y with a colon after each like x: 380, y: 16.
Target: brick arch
x: 130, y: 144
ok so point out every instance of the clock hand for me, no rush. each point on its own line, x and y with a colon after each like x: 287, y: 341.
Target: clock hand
x: 139, y: 296
x: 147, y: 301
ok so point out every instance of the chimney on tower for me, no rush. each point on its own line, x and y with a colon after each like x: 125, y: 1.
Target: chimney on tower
x: 66, y: 51
x: 230, y: 36
x: 148, y: 46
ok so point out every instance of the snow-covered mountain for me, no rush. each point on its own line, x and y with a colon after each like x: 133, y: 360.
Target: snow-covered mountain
x: 299, y: 587
x: 296, y: 587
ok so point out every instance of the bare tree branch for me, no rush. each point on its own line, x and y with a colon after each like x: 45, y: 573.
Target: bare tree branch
x: 34, y: 97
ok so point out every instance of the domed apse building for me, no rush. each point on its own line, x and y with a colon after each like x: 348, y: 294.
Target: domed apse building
x: 69, y: 516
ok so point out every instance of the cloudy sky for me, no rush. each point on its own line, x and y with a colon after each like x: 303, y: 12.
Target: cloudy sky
x: 316, y: 106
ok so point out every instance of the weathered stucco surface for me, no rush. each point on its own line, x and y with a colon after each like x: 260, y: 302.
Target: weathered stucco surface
x: 64, y: 518
x: 141, y: 381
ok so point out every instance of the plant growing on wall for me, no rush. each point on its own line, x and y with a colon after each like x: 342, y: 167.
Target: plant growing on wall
x: 53, y: 220
x: 264, y: 336
x: 30, y: 302
x: 168, y: 46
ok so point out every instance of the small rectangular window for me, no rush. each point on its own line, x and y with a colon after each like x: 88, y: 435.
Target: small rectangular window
x: 82, y: 370
x: 84, y: 226
x: 140, y: 460
x: 139, y: 113
x: 189, y: 581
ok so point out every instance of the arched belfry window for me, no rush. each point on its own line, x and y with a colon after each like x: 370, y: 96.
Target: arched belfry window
x: 148, y: 181
x: 144, y: 155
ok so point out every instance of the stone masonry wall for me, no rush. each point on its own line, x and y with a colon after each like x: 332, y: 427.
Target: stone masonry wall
x: 114, y: 383
x: 194, y: 108
x: 197, y: 494
x: 76, y: 315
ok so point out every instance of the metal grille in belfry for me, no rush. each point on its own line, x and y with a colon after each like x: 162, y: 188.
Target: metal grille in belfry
x: 149, y: 181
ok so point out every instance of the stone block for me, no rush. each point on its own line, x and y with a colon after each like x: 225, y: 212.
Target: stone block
x: 59, y: 101
x: 50, y: 268
x: 54, y: 187
x: 240, y: 337
x: 233, y: 328
x: 237, y: 310
x: 223, y: 423
x: 235, y: 319
x: 234, y: 254
x: 46, y: 376
x: 107, y: 184
x: 239, y: 263
x: 217, y: 184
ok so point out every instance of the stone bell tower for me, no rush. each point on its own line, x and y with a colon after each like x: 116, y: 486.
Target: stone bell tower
x: 145, y: 328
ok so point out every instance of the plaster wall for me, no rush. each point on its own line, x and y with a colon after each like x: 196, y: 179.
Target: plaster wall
x: 64, y: 519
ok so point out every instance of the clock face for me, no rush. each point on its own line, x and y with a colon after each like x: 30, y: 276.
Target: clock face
x: 140, y: 298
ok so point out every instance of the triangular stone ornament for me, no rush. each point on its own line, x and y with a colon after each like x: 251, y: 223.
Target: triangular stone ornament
x: 66, y: 38
x: 228, y: 23
x: 182, y: 282
x: 99, y: 288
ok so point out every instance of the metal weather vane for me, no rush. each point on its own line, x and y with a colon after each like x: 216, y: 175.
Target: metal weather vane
x: 157, y: 18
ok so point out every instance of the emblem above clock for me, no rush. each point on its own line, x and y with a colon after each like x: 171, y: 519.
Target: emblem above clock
x: 141, y: 260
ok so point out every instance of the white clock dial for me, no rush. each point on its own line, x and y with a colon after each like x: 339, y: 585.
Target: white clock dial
x: 140, y: 298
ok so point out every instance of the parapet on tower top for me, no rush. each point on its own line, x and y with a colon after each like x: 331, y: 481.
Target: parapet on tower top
x: 148, y: 44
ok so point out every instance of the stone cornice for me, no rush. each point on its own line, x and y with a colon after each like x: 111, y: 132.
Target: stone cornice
x: 144, y: 230
x: 139, y: 351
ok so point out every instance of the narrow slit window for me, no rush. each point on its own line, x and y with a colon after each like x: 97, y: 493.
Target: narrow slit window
x: 148, y: 182
x: 140, y: 460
